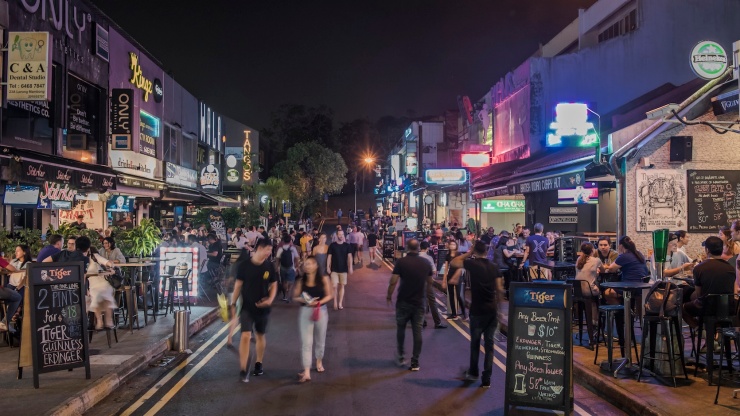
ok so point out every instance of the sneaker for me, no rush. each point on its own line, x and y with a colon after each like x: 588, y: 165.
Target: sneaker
x: 469, y: 377
x: 244, y: 376
x: 258, y: 369
x: 414, y: 366
x: 486, y: 384
x: 400, y: 361
x: 440, y: 326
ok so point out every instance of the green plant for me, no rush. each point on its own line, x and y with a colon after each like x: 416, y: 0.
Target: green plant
x: 142, y: 239
x: 232, y: 217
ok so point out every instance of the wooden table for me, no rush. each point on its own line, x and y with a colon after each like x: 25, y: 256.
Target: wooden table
x: 627, y: 288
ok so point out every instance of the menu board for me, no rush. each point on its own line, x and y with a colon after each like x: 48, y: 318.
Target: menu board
x: 539, y: 361
x: 389, y: 246
x: 714, y: 199
x: 58, y: 318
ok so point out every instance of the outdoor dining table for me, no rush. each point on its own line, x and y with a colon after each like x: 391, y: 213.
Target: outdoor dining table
x: 557, y: 267
x: 131, y: 302
x: 627, y: 287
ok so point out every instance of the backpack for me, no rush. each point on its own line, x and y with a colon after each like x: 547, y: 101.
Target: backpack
x: 286, y: 258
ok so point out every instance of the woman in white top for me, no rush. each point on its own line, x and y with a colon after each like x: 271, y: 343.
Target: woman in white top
x: 111, y: 252
x: 587, y: 269
x: 102, y: 294
x: 678, y: 265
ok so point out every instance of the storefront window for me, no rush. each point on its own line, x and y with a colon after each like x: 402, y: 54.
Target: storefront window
x: 188, y: 151
x: 30, y: 124
x: 171, y: 144
x: 82, y: 139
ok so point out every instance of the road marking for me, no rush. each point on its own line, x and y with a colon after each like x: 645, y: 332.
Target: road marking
x: 578, y: 409
x: 161, y: 383
x: 180, y: 384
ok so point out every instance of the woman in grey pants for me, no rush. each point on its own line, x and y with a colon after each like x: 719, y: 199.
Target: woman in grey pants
x: 312, y: 291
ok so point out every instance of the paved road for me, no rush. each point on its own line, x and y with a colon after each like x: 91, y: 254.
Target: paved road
x: 360, y: 377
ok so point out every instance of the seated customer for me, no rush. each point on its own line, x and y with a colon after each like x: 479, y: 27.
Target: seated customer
x: 677, y: 264
x: 713, y: 276
x: 632, y: 265
x: 587, y: 269
x: 605, y: 252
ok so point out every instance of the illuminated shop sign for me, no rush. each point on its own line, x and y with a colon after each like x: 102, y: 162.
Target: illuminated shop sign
x: 148, y: 134
x: 148, y: 86
x: 475, y: 160
x: 502, y: 205
x: 708, y: 60
x: 446, y: 176
x: 247, y: 157
x: 571, y: 127
x: 29, y: 55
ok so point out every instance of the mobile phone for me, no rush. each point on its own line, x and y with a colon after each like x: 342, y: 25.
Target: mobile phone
x: 695, y: 261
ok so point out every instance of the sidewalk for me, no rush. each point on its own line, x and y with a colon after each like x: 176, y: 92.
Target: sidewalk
x: 68, y: 392
x: 651, y: 396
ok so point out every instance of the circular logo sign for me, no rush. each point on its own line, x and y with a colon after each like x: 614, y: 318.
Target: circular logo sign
x: 231, y: 161
x: 708, y: 60
x: 158, y: 90
x: 232, y: 175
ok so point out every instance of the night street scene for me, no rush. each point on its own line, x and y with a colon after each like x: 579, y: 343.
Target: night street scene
x: 477, y: 207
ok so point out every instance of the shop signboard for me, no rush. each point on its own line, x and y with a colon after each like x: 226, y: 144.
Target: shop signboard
x: 121, y: 123
x: 82, y: 109
x: 134, y: 163
x: 52, y: 191
x: 210, y: 178
x: 715, y: 199
x: 28, y: 71
x: 149, y: 130
x: 234, y: 166
x: 181, y: 176
x: 446, y: 176
x: 725, y: 103
x: 412, y: 167
x: 91, y: 210
x: 558, y: 219
x: 102, y: 49
x: 550, y: 183
x: 708, y: 60
x: 539, y: 361
x: 502, y: 205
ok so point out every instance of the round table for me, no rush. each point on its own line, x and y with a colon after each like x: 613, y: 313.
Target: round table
x: 628, y: 287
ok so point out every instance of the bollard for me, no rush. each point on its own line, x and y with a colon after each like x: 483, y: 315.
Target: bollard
x: 180, y: 332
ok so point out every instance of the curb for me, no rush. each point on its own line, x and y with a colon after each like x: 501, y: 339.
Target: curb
x: 96, y: 392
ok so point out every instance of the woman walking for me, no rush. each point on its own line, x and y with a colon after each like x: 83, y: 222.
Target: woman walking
x: 314, y: 291
x: 320, y: 252
x: 454, y: 292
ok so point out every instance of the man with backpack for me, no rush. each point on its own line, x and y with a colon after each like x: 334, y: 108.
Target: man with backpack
x: 287, y: 258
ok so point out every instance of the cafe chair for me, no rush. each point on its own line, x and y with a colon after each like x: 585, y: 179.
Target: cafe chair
x: 727, y: 335
x: 670, y: 325
x: 183, y: 282
x: 165, y: 278
x: 7, y: 335
x: 583, y: 302
x: 91, y: 321
x: 607, y: 319
x: 718, y: 310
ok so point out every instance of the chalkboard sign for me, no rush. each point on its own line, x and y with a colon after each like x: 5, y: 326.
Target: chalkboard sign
x: 389, y: 246
x: 714, y: 199
x: 442, y: 254
x: 408, y: 235
x: 58, y: 318
x: 539, y: 361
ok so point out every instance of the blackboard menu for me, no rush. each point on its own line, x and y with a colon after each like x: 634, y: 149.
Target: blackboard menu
x: 539, y: 360
x: 714, y: 199
x: 58, y: 318
x: 442, y: 254
x: 389, y: 246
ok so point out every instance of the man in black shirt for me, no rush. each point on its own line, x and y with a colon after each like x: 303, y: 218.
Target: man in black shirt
x: 713, y: 276
x: 76, y: 251
x: 486, y: 290
x: 339, y: 266
x: 256, y: 284
x: 215, y: 251
x: 415, y: 273
x: 372, y: 241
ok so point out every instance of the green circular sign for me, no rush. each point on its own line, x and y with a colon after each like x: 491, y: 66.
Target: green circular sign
x: 708, y: 60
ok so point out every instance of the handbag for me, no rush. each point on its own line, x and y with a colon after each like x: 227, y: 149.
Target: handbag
x: 663, y: 299
x: 115, y: 279
x: 316, y: 312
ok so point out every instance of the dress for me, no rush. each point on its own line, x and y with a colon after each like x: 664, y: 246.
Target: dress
x: 102, y: 294
x: 321, y: 260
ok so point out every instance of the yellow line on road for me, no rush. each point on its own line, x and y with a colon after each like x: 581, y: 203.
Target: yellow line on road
x: 180, y: 384
x: 161, y: 383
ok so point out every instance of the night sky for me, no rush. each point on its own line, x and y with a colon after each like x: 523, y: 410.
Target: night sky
x: 361, y: 58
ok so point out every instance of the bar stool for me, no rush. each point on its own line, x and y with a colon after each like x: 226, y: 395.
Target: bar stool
x: 146, y: 289
x: 670, y: 325
x: 583, y: 304
x: 184, y: 283
x: 608, y: 315
x: 727, y: 335
x: 8, y: 337
x: 717, y: 310
x: 91, y: 319
x: 165, y: 277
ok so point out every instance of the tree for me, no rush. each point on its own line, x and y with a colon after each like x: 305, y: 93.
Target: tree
x: 275, y: 189
x: 292, y: 124
x: 309, y: 171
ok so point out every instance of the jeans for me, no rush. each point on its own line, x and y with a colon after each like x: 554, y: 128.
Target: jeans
x: 312, y: 332
x: 13, y: 299
x: 406, y: 312
x: 482, y: 325
x: 432, y: 305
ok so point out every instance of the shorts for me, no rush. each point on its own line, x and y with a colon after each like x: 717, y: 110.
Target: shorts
x: 250, y: 322
x: 338, y: 278
x: 287, y: 274
x: 353, y: 248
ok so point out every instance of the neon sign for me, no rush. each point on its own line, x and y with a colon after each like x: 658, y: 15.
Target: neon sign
x: 137, y: 77
x: 571, y: 120
x: 247, y: 158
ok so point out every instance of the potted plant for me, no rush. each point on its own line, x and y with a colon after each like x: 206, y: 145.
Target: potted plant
x: 142, y: 240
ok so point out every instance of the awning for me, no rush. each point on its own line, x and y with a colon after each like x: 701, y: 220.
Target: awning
x: 562, y: 169
x: 177, y: 193
x: 491, y: 181
x: 138, y: 192
x: 222, y: 201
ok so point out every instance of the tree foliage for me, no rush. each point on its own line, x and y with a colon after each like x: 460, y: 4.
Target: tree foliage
x: 275, y: 189
x: 309, y: 171
x: 292, y: 124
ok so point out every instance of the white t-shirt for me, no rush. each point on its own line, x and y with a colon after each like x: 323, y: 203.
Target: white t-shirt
x: 589, y: 273
x: 240, y: 242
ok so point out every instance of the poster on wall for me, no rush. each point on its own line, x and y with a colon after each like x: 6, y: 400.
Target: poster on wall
x: 661, y: 199
x: 91, y: 210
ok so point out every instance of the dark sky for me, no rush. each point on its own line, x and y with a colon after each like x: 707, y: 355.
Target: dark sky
x: 361, y: 58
